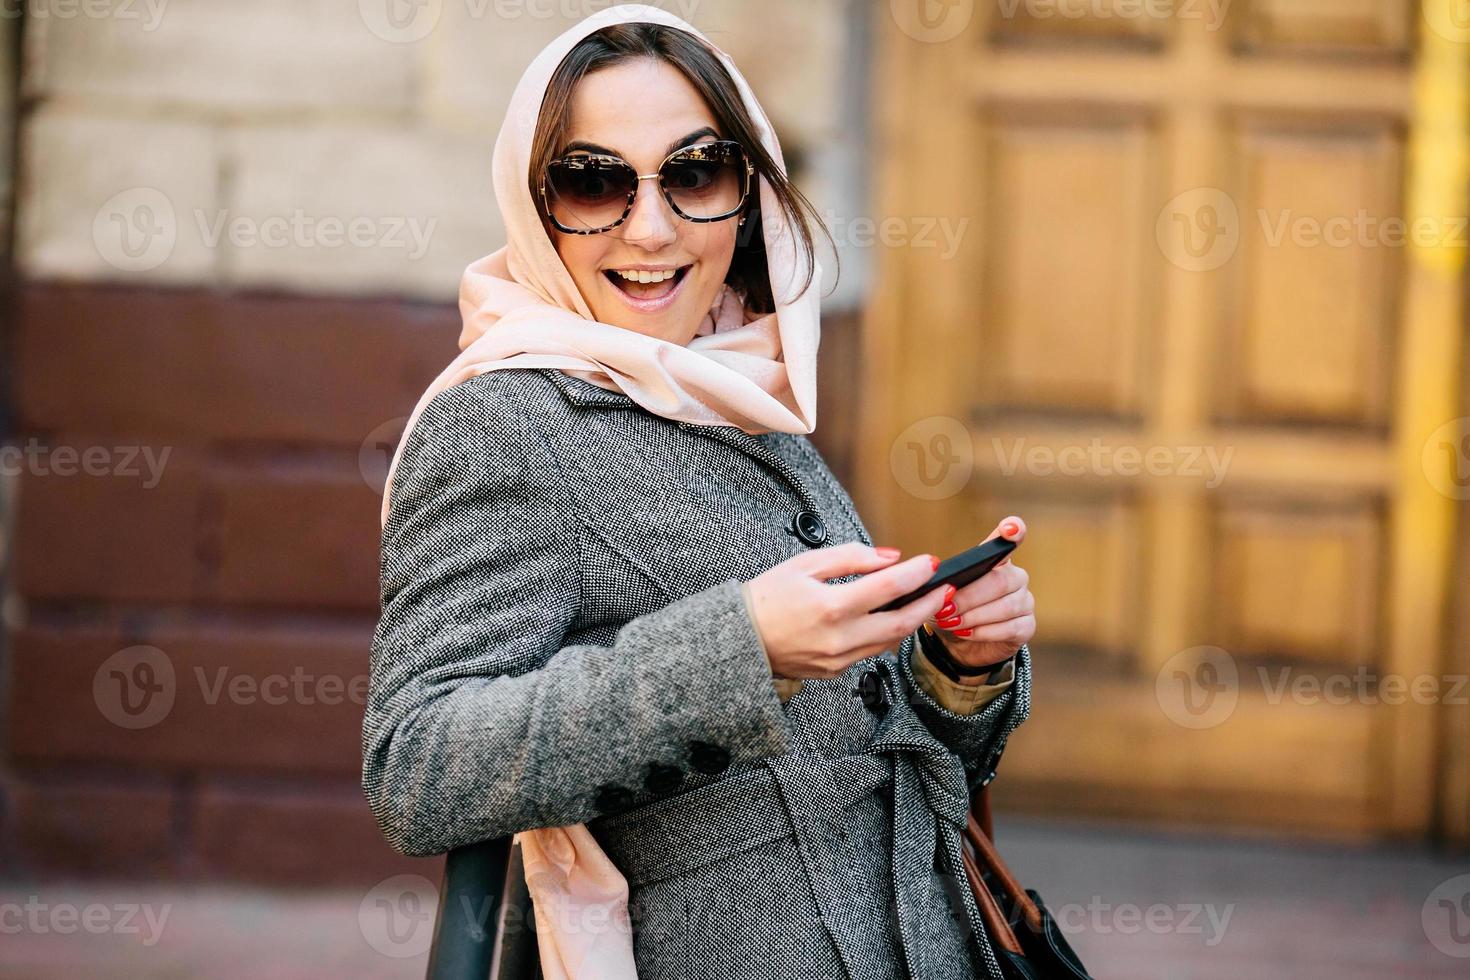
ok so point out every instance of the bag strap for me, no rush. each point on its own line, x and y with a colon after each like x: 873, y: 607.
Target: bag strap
x: 995, y: 923
x: 980, y: 833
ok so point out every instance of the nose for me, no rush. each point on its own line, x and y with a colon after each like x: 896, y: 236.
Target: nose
x: 653, y: 224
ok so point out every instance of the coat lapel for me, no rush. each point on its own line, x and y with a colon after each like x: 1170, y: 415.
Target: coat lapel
x: 585, y: 394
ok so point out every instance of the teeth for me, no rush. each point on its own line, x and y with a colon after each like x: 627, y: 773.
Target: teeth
x: 646, y: 277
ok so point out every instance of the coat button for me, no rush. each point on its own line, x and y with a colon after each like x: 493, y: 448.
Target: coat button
x: 807, y: 525
x: 874, y: 695
x: 708, y: 759
x: 662, y: 779
x: 612, y: 797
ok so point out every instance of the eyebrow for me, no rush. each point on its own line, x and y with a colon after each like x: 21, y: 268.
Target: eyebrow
x: 583, y: 146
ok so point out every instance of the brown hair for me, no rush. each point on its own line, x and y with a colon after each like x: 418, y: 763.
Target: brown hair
x: 623, y: 42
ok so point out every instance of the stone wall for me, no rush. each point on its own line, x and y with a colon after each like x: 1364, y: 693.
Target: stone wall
x: 324, y: 146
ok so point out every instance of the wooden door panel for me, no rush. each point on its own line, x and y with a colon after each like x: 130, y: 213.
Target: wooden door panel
x: 1156, y: 344
x: 1315, y: 302
x: 1063, y: 299
x: 1298, y: 585
x: 1342, y: 26
x: 1307, y: 771
x: 1085, y: 548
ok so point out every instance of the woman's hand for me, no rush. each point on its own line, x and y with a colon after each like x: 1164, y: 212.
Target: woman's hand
x: 989, y: 619
x: 813, y: 629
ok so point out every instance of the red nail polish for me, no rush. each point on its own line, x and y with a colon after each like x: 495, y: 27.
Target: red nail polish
x: 964, y: 632
x: 949, y: 622
x: 946, y: 611
x: 1008, y: 529
x: 888, y: 552
x: 933, y: 561
x: 949, y: 591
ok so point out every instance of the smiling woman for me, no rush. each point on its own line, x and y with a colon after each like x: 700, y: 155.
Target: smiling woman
x: 660, y: 107
x: 630, y: 617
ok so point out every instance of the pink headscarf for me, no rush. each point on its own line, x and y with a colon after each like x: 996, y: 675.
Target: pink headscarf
x: 522, y: 309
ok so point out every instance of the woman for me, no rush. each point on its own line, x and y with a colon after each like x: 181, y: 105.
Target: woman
x: 624, y: 596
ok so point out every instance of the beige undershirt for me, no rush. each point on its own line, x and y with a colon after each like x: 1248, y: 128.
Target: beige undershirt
x: 962, y: 699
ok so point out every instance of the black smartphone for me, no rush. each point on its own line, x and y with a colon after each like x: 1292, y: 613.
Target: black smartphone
x: 959, y: 571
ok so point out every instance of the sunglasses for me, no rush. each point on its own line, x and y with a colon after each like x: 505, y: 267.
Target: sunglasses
x: 590, y: 193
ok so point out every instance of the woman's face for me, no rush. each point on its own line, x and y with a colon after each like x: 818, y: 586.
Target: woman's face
x: 643, y: 110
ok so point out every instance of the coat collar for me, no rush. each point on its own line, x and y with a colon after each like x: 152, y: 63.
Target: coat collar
x: 585, y: 394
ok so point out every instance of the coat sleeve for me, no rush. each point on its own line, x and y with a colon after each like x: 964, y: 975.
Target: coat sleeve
x: 978, y: 738
x: 479, y: 722
x: 962, y: 699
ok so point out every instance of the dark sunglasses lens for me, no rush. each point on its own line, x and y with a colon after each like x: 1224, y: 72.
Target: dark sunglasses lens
x: 706, y: 181
x: 587, y: 193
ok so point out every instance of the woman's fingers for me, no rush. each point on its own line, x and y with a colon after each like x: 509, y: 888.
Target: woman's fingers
x: 884, y: 629
x: 839, y: 623
x: 873, y: 590
x: 1012, y: 605
x: 1001, y: 581
x: 844, y: 559
x: 1017, y: 631
x: 1012, y: 529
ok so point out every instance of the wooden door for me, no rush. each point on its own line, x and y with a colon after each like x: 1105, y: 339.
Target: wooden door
x: 1200, y: 328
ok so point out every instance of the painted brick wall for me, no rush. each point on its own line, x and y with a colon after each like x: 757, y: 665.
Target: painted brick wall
x: 205, y: 415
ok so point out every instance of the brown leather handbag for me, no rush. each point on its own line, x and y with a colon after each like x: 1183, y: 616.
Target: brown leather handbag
x: 1027, y: 941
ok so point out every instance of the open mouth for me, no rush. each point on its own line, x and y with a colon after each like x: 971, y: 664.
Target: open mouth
x: 645, y: 287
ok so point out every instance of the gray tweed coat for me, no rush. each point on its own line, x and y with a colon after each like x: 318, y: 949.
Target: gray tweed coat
x: 563, y: 639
